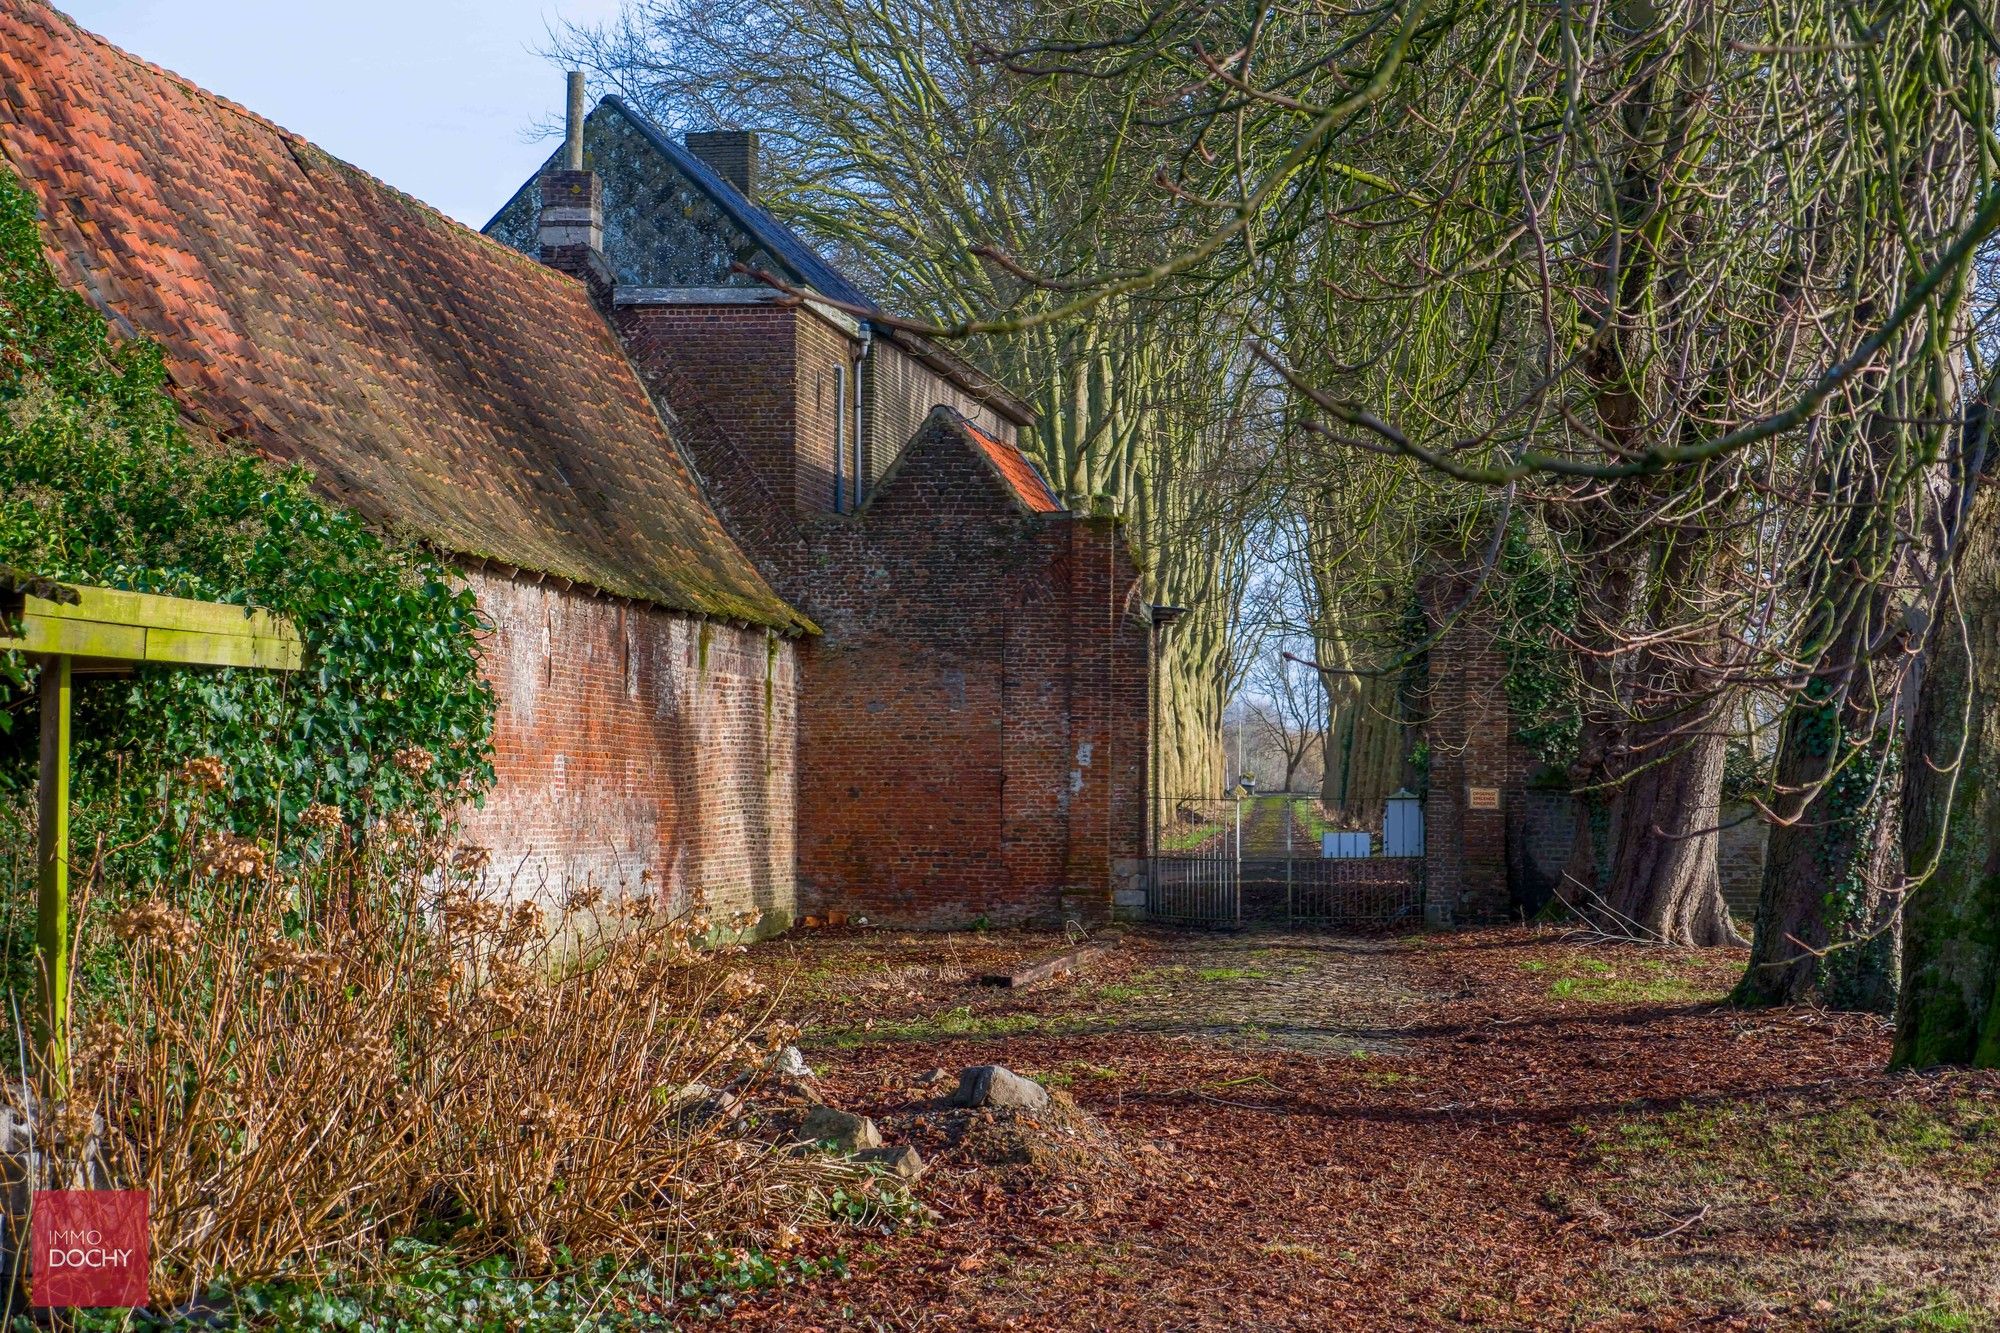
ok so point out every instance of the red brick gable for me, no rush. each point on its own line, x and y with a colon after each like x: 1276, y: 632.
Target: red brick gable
x: 432, y: 378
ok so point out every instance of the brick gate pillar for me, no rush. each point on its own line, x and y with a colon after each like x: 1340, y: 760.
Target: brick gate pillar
x: 1475, y: 765
x: 1086, y: 894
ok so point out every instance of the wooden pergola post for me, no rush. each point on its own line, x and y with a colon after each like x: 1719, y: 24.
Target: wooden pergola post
x: 52, y: 874
x: 105, y: 631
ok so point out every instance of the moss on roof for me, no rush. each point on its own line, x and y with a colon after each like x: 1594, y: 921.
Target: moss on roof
x: 431, y: 378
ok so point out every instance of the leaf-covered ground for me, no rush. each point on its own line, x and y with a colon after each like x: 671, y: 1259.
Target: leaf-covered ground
x: 1498, y: 1129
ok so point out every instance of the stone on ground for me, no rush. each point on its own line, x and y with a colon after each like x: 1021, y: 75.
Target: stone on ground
x: 901, y: 1160
x: 698, y: 1101
x: 792, y: 1064
x: 997, y: 1085
x: 843, y: 1129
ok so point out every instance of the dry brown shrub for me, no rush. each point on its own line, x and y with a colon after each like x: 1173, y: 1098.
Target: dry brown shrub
x: 301, y: 1057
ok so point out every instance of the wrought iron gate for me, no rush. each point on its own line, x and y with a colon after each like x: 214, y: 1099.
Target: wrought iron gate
x: 1196, y: 873
x: 1274, y: 860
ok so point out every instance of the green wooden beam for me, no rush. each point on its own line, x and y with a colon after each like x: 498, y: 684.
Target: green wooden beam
x: 110, y: 627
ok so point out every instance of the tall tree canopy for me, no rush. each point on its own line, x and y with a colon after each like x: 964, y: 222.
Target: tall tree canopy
x: 1668, y: 302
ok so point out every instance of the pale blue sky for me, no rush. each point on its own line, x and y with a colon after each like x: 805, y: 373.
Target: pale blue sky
x: 431, y: 95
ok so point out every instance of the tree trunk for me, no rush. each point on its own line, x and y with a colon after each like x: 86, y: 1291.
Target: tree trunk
x: 1375, y: 752
x: 1949, y: 1010
x: 1339, y: 732
x: 1662, y: 883
x: 1826, y: 870
x: 1821, y: 928
x: 1583, y: 873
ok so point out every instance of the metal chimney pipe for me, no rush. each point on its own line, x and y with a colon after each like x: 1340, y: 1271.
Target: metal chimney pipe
x: 573, y: 124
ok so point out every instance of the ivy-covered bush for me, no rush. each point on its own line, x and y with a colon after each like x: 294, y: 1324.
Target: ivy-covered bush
x: 100, y: 483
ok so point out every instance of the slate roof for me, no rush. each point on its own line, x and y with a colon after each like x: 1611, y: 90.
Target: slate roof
x: 654, y: 237
x: 432, y: 378
x: 807, y: 268
x: 1021, y: 476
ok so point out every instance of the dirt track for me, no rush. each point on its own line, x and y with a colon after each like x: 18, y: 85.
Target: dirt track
x: 1495, y: 1129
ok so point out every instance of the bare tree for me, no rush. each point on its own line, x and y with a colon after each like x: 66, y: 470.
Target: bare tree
x: 1602, y: 256
x: 1287, y: 703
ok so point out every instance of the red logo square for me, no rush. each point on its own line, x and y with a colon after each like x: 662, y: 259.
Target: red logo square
x: 89, y: 1248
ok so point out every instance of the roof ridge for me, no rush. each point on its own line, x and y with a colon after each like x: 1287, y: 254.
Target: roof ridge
x: 186, y: 84
x: 989, y: 443
x: 996, y: 453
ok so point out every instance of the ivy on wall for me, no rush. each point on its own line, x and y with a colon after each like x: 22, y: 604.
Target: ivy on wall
x: 101, y: 483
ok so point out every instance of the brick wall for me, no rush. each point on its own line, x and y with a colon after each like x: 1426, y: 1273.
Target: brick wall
x: 1740, y: 846
x: 637, y: 750
x: 973, y: 717
x: 823, y: 354
x: 769, y: 371
x: 1539, y: 839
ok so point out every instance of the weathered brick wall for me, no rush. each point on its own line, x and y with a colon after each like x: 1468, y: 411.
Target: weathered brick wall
x: 637, y: 750
x: 822, y: 354
x: 768, y: 371
x: 1540, y: 836
x: 1108, y: 662
x: 1740, y: 846
x: 750, y: 482
x: 974, y: 717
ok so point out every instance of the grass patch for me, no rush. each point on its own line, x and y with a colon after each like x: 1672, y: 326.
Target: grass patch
x: 1312, y: 817
x: 1651, y: 981
x: 1228, y: 974
x: 1873, y: 1214
x: 1800, y: 1151
x: 1188, y: 837
x: 960, y: 1022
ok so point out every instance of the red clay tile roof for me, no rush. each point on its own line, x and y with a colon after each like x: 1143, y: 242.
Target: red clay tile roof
x: 432, y: 378
x: 1020, y: 474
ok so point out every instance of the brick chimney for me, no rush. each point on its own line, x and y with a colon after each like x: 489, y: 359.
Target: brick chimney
x: 732, y: 154
x: 572, y: 221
